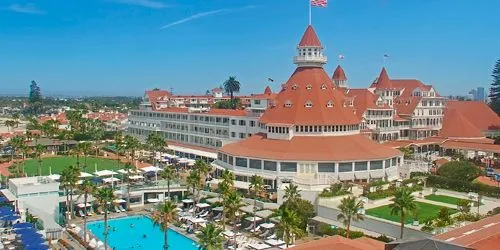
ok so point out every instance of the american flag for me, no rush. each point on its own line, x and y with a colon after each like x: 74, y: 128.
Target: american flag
x: 319, y: 3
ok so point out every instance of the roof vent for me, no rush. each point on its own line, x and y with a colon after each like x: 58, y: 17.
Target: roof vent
x: 294, y: 87
x: 308, y: 104
x: 329, y: 104
x: 323, y: 86
x: 288, y: 104
x: 309, y: 87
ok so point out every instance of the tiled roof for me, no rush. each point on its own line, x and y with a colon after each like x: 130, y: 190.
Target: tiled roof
x: 310, y: 86
x: 363, y: 100
x: 383, y: 80
x: 406, y: 106
x: 478, y: 113
x: 310, y: 38
x: 315, y: 148
x: 474, y: 146
x: 157, y: 95
x: 341, y: 243
x: 480, y: 235
x: 268, y: 90
x: 339, y: 74
x: 455, y: 125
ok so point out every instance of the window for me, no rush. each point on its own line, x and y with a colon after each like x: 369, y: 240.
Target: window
x: 256, y: 102
x: 323, y: 86
x: 288, y: 167
x: 230, y: 160
x: 309, y: 87
x: 241, y: 162
x: 288, y: 104
x: 345, y: 167
x: 233, y: 122
x: 242, y: 123
x: 326, y: 167
x: 270, y: 165
x: 376, y: 165
x: 219, y: 156
x: 233, y: 134
x: 256, y: 164
x: 252, y: 123
x: 242, y: 135
x: 329, y: 104
x: 308, y: 104
x: 361, y: 166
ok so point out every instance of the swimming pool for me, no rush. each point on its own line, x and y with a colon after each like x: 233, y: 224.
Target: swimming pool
x: 138, y: 232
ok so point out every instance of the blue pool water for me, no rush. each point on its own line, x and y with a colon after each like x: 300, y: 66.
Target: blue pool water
x: 128, y: 233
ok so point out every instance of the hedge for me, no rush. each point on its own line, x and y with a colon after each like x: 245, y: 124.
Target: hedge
x: 463, y: 186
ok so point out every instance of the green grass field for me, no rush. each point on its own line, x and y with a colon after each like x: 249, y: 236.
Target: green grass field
x: 59, y: 163
x: 444, y: 199
x: 424, y: 211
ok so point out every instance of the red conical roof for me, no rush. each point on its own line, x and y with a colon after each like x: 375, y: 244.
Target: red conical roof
x: 383, y: 80
x: 310, y: 38
x: 310, y: 98
x: 268, y: 90
x: 339, y: 74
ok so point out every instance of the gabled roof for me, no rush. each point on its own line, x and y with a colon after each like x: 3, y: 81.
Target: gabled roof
x: 406, y: 106
x: 310, y: 38
x: 383, y: 80
x: 478, y: 113
x: 310, y: 85
x: 156, y: 95
x: 455, y: 125
x: 339, y: 74
x: 364, y: 100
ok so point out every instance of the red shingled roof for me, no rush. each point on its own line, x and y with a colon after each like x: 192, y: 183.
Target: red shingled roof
x: 268, y: 90
x: 455, y: 125
x: 383, y: 80
x: 363, y: 100
x: 339, y: 74
x: 310, y: 85
x: 341, y: 243
x: 315, y: 148
x: 310, y: 38
x: 480, y: 235
x: 478, y: 113
x: 156, y: 95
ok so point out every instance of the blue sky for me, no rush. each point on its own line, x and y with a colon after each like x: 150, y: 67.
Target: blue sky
x: 122, y: 47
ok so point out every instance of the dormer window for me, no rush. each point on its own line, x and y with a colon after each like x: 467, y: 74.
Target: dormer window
x: 288, y: 104
x: 329, y: 104
x: 294, y: 87
x: 309, y: 87
x: 323, y: 86
x: 308, y: 104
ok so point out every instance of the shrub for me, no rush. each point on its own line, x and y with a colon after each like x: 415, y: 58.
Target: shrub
x: 326, y: 229
x: 494, y: 211
x: 384, y: 238
x: 463, y: 186
x: 380, y: 194
x: 459, y: 170
x: 336, y: 189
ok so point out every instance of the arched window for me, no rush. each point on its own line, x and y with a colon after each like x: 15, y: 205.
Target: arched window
x: 288, y: 104
x: 323, y: 86
x: 329, y: 104
x: 308, y: 86
x: 308, y: 104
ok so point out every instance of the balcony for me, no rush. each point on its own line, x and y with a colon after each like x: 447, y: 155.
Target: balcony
x: 310, y: 59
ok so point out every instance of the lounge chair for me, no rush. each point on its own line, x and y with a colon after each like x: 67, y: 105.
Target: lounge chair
x: 204, y: 214
x: 122, y: 209
x: 117, y: 209
x: 80, y: 212
x: 266, y: 233
x: 218, y: 216
x: 249, y: 227
x: 256, y: 229
x: 89, y: 213
x: 273, y: 236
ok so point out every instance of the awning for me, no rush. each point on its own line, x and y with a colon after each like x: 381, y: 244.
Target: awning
x: 8, y: 194
x: 110, y: 179
x: 85, y: 175
x: 252, y: 219
x: 151, y: 169
x: 193, y: 151
x: 264, y: 213
x: 202, y: 205
x: 183, y: 160
x: 105, y: 173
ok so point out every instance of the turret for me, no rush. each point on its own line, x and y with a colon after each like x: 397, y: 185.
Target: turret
x: 339, y: 78
x: 310, y: 50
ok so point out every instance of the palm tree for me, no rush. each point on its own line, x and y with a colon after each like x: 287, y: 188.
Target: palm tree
x: 17, y: 142
x: 104, y: 196
x: 210, y: 238
x: 86, y: 188
x: 256, y: 188
x: 39, y: 149
x: 232, y: 202
x: 156, y: 143
x: 169, y: 173
x: 288, y: 227
x: 84, y: 148
x: 64, y: 183
x: 232, y: 86
x: 73, y: 174
x: 403, y: 204
x: 164, y: 214
x: 195, y: 182
x: 292, y: 193
x: 349, y: 211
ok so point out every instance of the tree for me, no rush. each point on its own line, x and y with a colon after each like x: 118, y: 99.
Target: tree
x: 288, y: 228
x: 227, y: 181
x: 303, y: 208
x: 444, y: 217
x: 232, y: 86
x: 403, y: 204
x: 104, y: 196
x: 69, y: 178
x: 83, y: 148
x: 169, y: 173
x: 256, y: 188
x: 195, y: 182
x: 86, y: 188
x: 349, y: 211
x: 156, y: 143
x: 292, y: 193
x: 164, y: 214
x: 39, y: 150
x: 131, y: 145
x: 17, y: 143
x: 231, y: 204
x: 459, y: 170
x: 35, y: 98
x: 463, y: 206
x: 10, y: 124
x: 495, y: 88
x: 210, y: 238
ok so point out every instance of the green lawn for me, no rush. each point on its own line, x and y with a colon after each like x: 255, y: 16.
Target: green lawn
x: 443, y: 198
x: 59, y: 163
x: 424, y: 211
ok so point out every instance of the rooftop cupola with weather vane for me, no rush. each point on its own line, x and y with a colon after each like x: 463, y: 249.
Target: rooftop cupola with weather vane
x: 310, y: 50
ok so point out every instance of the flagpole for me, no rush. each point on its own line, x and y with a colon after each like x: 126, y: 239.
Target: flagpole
x: 310, y: 12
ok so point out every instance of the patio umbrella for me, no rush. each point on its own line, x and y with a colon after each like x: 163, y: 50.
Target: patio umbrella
x: 33, y: 241
x: 3, y: 199
x: 10, y: 217
x: 37, y: 247
x: 22, y: 231
x: 22, y: 225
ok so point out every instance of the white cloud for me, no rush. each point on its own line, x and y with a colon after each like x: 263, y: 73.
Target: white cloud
x: 203, y: 14
x: 28, y: 8
x: 152, y: 4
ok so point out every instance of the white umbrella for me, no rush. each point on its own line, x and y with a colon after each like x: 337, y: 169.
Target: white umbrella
x: 267, y: 225
x: 105, y: 173
x: 252, y: 219
x: 85, y: 175
x: 274, y: 242
x: 202, y: 205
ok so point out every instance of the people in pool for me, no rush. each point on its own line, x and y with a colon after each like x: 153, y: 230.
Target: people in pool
x: 144, y: 236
